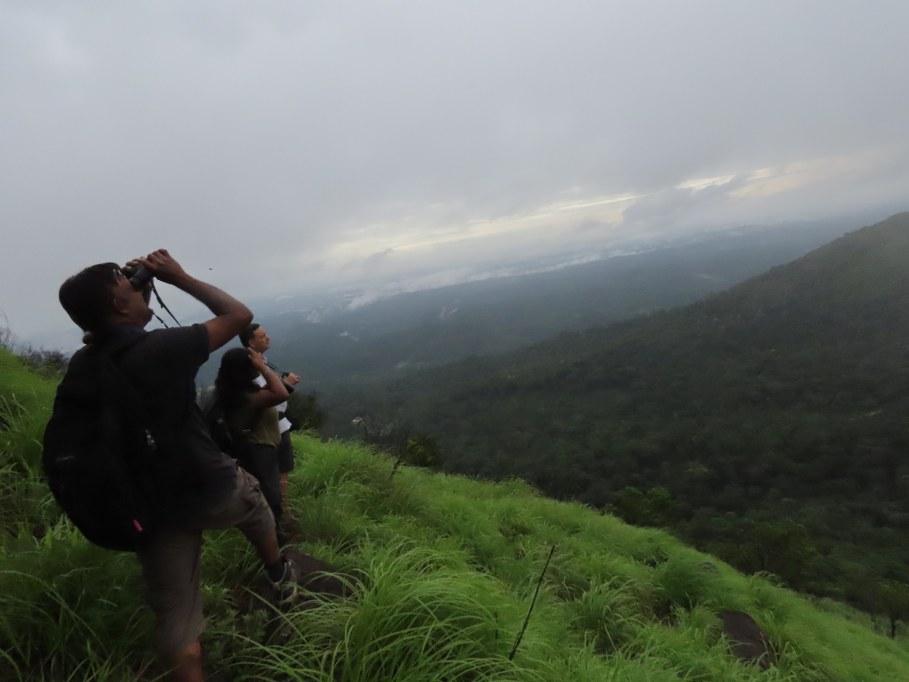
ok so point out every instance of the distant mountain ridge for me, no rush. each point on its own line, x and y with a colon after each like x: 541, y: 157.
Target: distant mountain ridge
x: 335, y: 347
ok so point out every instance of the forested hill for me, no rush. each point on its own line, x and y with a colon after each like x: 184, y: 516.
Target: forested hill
x: 783, y: 398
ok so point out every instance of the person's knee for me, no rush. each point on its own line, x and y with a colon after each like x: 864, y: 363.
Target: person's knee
x: 258, y: 521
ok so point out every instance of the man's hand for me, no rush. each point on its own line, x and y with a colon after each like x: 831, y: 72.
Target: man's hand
x: 231, y: 316
x: 258, y: 361
x: 162, y: 265
x: 291, y: 379
x: 274, y: 392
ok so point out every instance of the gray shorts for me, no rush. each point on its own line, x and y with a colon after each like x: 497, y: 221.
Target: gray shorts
x: 170, y: 564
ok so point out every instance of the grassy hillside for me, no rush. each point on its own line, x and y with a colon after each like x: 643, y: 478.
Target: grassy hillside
x: 446, y: 570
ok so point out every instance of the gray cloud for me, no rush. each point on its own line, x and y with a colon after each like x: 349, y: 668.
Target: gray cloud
x: 284, y: 144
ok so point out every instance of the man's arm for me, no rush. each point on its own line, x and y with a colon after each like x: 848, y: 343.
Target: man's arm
x: 231, y: 316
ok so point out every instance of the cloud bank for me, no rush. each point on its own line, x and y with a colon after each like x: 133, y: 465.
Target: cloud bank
x: 279, y: 146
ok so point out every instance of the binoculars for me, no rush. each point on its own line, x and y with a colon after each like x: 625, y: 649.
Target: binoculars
x: 139, y: 277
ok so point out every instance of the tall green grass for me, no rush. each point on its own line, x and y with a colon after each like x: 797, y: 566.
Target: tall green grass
x: 443, y: 570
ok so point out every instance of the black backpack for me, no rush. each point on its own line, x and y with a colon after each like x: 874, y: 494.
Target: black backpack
x: 216, y: 421
x: 219, y: 427
x: 100, y: 453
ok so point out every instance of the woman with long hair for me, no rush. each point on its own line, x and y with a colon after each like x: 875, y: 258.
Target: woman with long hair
x: 252, y: 417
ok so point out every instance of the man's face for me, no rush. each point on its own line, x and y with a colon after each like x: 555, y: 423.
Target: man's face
x: 130, y: 303
x: 259, y: 340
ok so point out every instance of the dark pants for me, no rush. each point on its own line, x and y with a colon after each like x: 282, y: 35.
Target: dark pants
x: 262, y: 462
x: 285, y: 454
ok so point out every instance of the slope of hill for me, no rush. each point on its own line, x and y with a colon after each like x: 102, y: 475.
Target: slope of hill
x: 447, y: 570
x: 784, y: 397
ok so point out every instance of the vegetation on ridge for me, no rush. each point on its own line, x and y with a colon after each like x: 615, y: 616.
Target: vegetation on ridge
x: 446, y: 568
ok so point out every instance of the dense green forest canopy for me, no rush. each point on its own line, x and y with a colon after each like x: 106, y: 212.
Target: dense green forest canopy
x: 777, y: 406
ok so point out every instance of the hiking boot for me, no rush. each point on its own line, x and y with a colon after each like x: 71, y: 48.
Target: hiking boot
x: 287, y: 588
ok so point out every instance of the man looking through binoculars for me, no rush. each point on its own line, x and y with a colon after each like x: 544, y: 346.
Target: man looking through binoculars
x: 207, y: 490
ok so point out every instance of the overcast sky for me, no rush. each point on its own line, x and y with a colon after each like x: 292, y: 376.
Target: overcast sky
x: 275, y: 146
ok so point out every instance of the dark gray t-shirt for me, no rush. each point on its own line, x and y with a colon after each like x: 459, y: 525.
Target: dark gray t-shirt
x: 162, y: 366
